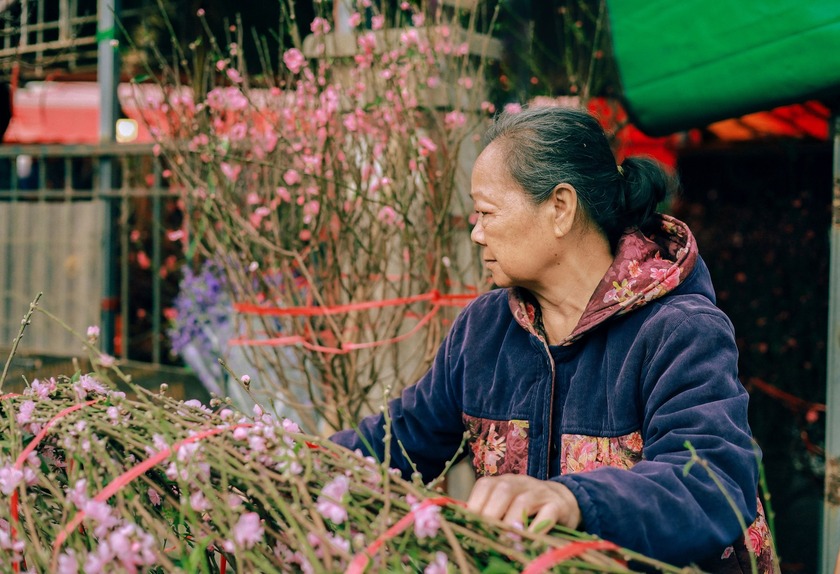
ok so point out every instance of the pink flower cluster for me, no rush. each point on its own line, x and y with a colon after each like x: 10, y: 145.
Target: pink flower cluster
x: 330, y: 502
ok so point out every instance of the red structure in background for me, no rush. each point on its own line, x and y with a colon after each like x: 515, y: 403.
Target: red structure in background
x: 68, y: 113
x: 64, y: 113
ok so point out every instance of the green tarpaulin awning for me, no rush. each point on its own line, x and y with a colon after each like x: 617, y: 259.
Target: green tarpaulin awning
x: 688, y: 63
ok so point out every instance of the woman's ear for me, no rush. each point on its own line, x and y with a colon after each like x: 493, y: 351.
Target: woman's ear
x: 564, y: 203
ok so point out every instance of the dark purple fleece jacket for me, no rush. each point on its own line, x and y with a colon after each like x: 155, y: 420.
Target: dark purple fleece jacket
x: 651, y: 366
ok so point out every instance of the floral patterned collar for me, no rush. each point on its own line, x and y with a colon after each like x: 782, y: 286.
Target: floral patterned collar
x: 650, y: 261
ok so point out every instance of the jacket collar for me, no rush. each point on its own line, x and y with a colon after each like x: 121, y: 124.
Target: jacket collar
x: 650, y: 262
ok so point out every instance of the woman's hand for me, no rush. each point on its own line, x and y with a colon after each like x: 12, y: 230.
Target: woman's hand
x: 513, y: 497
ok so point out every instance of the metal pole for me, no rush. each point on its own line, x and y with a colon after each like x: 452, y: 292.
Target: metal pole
x: 831, y: 503
x: 108, y: 76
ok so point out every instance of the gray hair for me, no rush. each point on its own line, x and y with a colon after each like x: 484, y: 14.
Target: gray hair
x: 548, y: 145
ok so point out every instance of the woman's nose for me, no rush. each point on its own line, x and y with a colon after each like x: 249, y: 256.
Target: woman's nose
x: 477, y: 233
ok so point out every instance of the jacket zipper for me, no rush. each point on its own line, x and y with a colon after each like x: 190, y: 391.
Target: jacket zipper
x: 550, y: 430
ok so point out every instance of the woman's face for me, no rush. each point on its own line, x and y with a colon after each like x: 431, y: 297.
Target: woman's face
x: 518, y: 243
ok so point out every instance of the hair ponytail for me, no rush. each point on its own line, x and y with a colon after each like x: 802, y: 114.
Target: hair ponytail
x: 646, y: 184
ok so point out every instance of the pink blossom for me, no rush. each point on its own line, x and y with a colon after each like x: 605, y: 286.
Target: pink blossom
x: 405, y: 6
x: 87, y: 384
x: 305, y: 235
x: 294, y: 60
x: 25, y: 414
x: 143, y: 260
x: 235, y: 99
x: 238, y: 131
x: 198, y: 502
x: 67, y: 563
x: 234, y: 76
x: 291, y: 177
x: 312, y: 208
x: 387, y: 215
x: 42, y: 389
x: 410, y: 38
x: 418, y: 19
x: 101, y: 514
x: 350, y: 122
x: 354, y: 20
x: 487, y: 107
x: 106, y: 361
x: 439, y: 566
x: 454, y: 120
x: 93, y: 332
x: 320, y: 26
x: 284, y: 194
x: 367, y: 42
x: 113, y: 413
x: 10, y: 478
x: 427, y: 146
x: 329, y: 501
x: 377, y: 22
x: 154, y: 496
x: 248, y: 530
x: 426, y: 520
x: 513, y: 108
x: 132, y: 547
x: 231, y: 171
x: 221, y: 65
x: 290, y: 426
x: 433, y: 82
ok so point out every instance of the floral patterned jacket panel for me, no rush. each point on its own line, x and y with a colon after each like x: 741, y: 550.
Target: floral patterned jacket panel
x: 580, y: 453
x: 498, y: 447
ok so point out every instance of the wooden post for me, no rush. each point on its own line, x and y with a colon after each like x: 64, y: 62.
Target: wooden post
x: 831, y: 502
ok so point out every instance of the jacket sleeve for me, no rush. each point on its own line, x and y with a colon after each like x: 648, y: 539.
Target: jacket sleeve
x: 426, y: 419
x: 663, y: 507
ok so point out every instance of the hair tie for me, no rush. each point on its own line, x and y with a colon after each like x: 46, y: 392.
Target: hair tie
x: 620, y: 171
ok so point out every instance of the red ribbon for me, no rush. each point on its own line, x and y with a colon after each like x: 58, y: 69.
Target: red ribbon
x: 312, y: 310
x: 345, y: 347
x: 547, y: 560
x: 25, y: 454
x: 360, y: 561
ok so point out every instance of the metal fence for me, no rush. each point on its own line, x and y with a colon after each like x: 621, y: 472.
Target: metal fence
x: 101, y: 252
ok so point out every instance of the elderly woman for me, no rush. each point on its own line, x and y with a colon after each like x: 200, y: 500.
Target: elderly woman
x: 602, y: 357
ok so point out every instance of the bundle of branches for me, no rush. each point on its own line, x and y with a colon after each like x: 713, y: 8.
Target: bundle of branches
x: 98, y: 480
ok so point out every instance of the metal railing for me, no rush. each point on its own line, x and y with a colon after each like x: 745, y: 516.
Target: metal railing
x: 62, y: 184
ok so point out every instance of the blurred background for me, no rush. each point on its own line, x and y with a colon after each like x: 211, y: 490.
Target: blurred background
x: 87, y: 215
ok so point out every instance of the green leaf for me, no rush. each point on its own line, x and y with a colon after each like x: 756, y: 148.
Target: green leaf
x: 498, y: 565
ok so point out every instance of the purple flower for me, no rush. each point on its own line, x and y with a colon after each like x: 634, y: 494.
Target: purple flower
x: 248, y: 530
